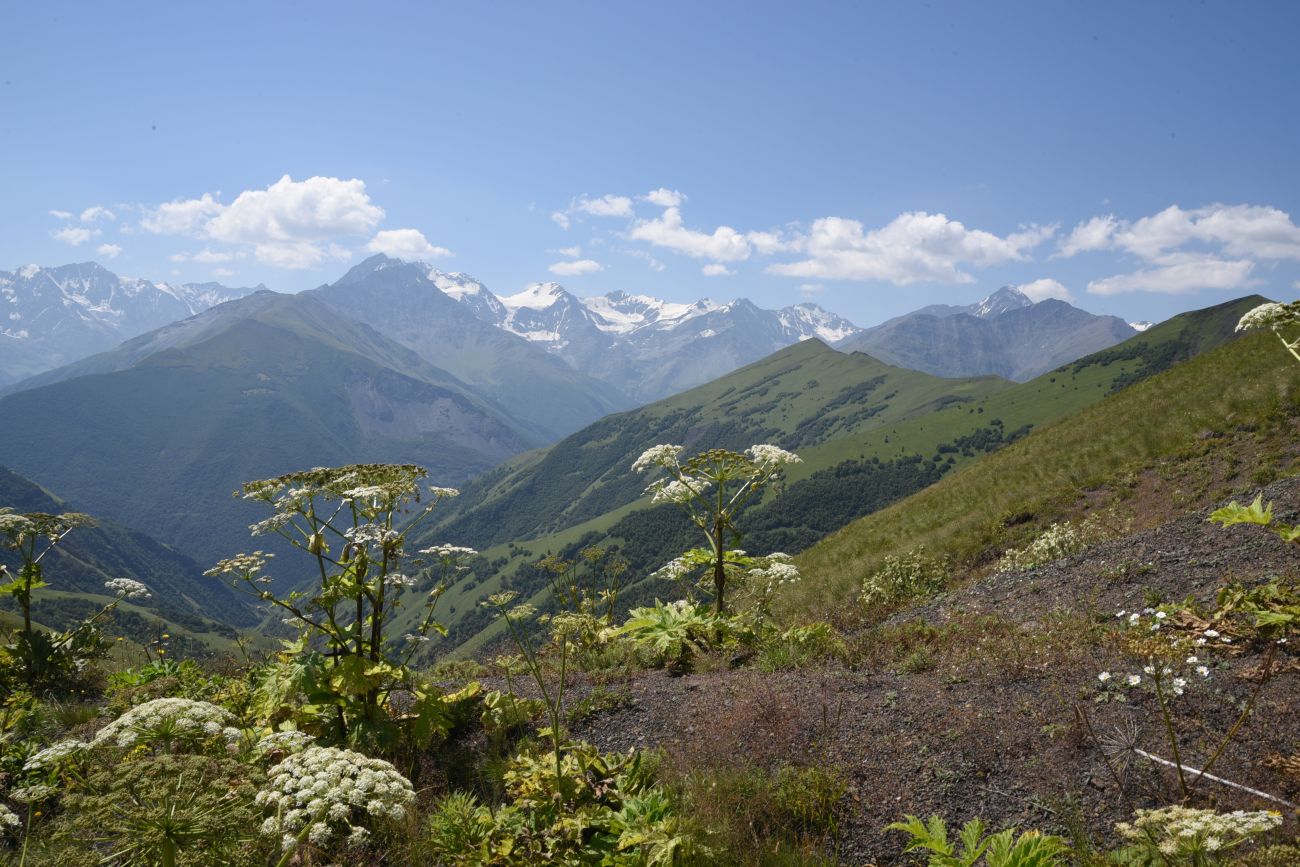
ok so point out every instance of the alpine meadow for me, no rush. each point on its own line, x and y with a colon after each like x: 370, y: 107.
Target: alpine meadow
x: 844, y: 434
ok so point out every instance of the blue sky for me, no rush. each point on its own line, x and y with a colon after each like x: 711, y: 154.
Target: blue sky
x: 873, y: 157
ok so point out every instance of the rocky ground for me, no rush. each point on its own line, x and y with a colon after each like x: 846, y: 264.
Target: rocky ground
x: 970, y: 704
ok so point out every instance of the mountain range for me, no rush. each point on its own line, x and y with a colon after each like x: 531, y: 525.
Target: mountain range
x: 52, y: 316
x: 1007, y: 334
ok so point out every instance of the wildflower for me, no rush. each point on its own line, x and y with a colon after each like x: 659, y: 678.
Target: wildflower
x: 1120, y: 613
x: 1264, y: 316
x: 1104, y: 676
x: 55, y: 754
x: 127, y: 588
x: 168, y: 720
x: 771, y: 456
x: 657, y: 456
x: 8, y: 819
x: 1211, y: 633
x: 336, y: 790
x: 1134, y: 680
x: 449, y: 551
x: 1192, y: 660
x: 1203, y: 670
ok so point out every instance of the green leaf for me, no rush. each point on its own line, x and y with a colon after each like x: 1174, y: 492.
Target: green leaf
x: 1235, y: 513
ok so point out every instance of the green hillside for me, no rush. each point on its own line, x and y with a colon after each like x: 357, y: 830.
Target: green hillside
x: 78, y: 567
x: 1239, y: 385
x: 159, y: 433
x: 860, y: 455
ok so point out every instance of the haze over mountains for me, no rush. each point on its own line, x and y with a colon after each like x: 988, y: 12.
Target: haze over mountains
x: 51, y: 316
x: 1007, y: 334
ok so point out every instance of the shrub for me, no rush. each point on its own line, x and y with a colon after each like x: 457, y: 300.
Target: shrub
x: 900, y: 577
x: 1003, y: 849
x: 1057, y: 541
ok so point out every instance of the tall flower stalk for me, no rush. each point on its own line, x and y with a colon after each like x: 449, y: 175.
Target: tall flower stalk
x: 712, y: 488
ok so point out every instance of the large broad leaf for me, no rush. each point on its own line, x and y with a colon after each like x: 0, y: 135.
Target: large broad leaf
x: 1236, y: 513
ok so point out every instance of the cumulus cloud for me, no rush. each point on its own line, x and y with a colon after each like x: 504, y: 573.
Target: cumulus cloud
x: 1038, y: 290
x: 74, y: 235
x: 1182, y: 278
x: 109, y: 251
x: 223, y: 272
x: 97, y: 212
x: 811, y: 290
x: 572, y: 252
x: 572, y: 269
x: 182, y: 216
x: 767, y: 243
x: 724, y: 244
x: 665, y: 198
x: 561, y: 219
x: 913, y: 247
x: 405, y: 244
x: 605, y: 206
x: 61, y: 215
x: 290, y: 224
x: 1212, y: 247
x: 716, y: 270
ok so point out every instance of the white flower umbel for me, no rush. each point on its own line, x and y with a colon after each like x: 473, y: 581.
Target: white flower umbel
x: 169, y: 723
x: 332, y: 794
x: 55, y: 755
x: 127, y: 588
x: 8, y: 820
x: 676, y: 490
x: 657, y: 456
x: 284, y: 742
x: 770, y: 455
x: 1187, y: 834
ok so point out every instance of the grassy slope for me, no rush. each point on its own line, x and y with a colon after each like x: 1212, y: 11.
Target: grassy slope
x: 1236, y: 385
x: 829, y: 477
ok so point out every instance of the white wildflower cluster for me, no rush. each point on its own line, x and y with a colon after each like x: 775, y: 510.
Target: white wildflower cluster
x: 167, y: 722
x: 1057, y: 541
x: 657, y: 456
x: 55, y: 755
x: 395, y: 580
x: 449, y: 552
x: 335, y: 792
x: 284, y: 742
x: 903, y: 576
x: 127, y: 588
x: 675, y: 569
x: 370, y: 534
x: 8, y: 820
x: 249, y: 567
x: 1270, y: 315
x: 1185, y: 832
x: 776, y: 573
x: 676, y: 490
x: 767, y: 456
x: 33, y: 794
x: 1171, y: 677
x: 443, y: 493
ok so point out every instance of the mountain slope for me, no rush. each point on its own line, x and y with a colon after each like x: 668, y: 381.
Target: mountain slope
x: 409, y: 304
x: 52, y: 316
x: 1004, y: 335
x: 858, y: 457
x: 92, y: 555
x: 1238, y: 385
x: 161, y: 430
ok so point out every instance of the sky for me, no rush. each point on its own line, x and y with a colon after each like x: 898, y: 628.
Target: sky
x: 1139, y: 159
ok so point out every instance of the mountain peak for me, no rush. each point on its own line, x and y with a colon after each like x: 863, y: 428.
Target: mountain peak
x: 537, y: 296
x: 1005, y: 299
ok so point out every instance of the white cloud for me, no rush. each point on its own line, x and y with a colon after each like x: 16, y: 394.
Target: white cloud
x: 74, y: 235
x: 716, y: 270
x: 1179, y: 279
x: 109, y: 251
x: 405, y: 244
x: 1037, y: 290
x: 181, y: 217
x: 605, y: 206
x: 811, y: 290
x: 725, y: 244
x: 572, y: 252
x: 223, y: 272
x: 204, y: 256
x: 1094, y: 234
x: 61, y: 215
x: 767, y: 243
x: 97, y: 212
x: 665, y: 198
x: 1240, y: 231
x: 572, y: 269
x: 290, y: 224
x: 913, y: 247
x: 560, y: 219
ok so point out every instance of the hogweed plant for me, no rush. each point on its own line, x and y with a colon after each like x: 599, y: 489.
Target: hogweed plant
x: 712, y: 488
x: 1176, y: 651
x: 49, y: 661
x: 1279, y: 318
x: 352, y: 522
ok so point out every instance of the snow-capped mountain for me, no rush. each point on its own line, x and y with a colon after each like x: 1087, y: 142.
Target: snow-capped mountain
x: 647, y: 347
x: 52, y: 316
